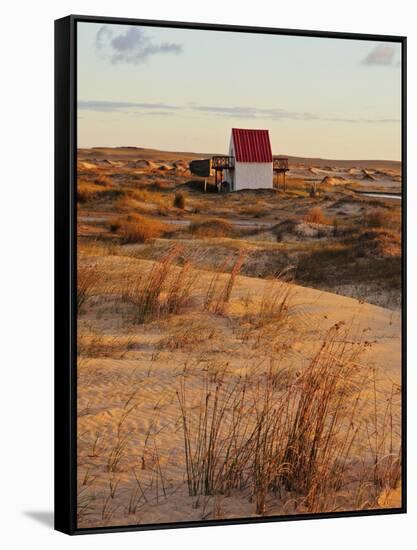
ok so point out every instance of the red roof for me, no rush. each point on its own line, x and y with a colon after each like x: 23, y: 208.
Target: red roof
x: 252, y: 145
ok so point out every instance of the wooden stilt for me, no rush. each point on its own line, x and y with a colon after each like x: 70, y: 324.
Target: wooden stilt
x: 280, y: 166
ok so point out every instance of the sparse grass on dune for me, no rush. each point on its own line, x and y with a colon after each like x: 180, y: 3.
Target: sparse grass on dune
x: 191, y: 336
x: 87, y: 277
x: 162, y: 291
x: 92, y: 344
x: 247, y: 434
x: 98, y: 247
x: 274, y: 305
x: 219, y: 291
x: 276, y: 436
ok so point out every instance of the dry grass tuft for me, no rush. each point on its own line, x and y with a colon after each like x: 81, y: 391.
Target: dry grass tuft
x: 164, y: 290
x: 89, y: 191
x: 93, y: 344
x: 86, y: 191
x: 294, y: 440
x: 274, y: 305
x: 219, y: 291
x: 189, y: 337
x: 315, y: 215
x: 140, y: 229
x: 212, y: 228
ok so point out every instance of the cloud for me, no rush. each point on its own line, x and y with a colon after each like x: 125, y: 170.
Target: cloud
x: 278, y: 114
x: 166, y: 109
x: 381, y: 55
x: 252, y: 112
x: 133, y: 45
x: 112, y: 106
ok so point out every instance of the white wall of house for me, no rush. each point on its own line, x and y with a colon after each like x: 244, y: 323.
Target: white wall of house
x: 253, y: 175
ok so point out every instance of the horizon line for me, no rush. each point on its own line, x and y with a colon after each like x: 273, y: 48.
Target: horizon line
x: 214, y: 154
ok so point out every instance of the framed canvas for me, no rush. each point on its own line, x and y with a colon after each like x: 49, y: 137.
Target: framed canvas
x: 230, y: 274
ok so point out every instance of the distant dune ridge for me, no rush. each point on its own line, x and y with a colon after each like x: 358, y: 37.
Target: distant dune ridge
x: 123, y: 153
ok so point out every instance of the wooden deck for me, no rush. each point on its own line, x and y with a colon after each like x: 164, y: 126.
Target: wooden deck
x: 280, y: 166
x: 223, y: 162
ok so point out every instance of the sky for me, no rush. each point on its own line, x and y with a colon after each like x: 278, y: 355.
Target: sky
x: 184, y: 89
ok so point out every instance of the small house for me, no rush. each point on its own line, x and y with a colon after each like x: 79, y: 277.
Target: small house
x: 252, y: 153
x: 248, y: 165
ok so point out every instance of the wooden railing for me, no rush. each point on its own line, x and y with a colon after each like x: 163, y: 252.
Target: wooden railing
x: 280, y: 164
x: 223, y: 163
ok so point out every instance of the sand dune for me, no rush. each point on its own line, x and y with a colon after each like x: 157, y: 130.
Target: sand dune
x: 150, y: 367
x: 329, y: 180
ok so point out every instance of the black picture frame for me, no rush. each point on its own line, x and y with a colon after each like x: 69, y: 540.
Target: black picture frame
x: 66, y: 261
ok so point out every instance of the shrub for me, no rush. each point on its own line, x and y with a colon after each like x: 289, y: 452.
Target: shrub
x: 379, y: 217
x: 315, y: 215
x: 378, y: 243
x: 139, y: 229
x: 179, y: 200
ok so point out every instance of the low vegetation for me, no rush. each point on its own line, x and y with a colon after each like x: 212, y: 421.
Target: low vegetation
x: 219, y: 290
x: 165, y: 289
x: 383, y: 218
x: 212, y: 228
x: 87, y: 277
x: 315, y: 215
x: 140, y: 229
x: 276, y: 436
x: 97, y: 190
